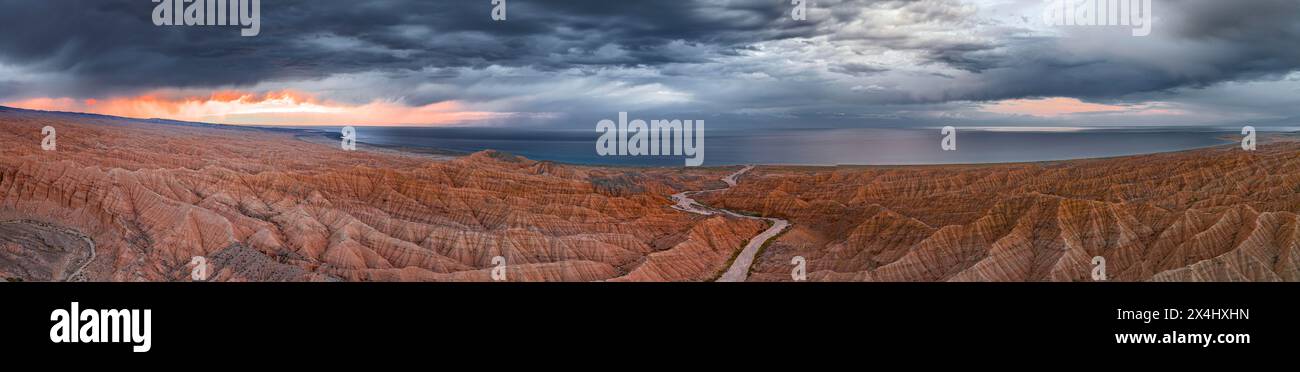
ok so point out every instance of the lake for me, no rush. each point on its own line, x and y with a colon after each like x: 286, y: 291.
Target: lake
x: 864, y: 146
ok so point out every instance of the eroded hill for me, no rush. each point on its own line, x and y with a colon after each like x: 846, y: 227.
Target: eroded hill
x: 265, y: 205
x: 1220, y: 214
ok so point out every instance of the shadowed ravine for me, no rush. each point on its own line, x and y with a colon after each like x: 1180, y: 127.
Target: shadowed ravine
x: 50, y: 251
x: 739, y: 269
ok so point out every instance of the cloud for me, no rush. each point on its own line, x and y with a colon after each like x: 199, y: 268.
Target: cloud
x: 1059, y: 106
x: 568, y: 59
x: 858, y: 69
x: 270, y: 108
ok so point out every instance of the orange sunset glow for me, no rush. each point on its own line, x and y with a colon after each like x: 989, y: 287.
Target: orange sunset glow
x: 1058, y: 106
x: 270, y: 108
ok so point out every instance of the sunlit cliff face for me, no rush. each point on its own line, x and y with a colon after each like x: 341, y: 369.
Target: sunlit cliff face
x: 269, y: 108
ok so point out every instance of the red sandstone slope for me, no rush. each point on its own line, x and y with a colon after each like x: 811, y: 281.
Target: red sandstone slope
x: 263, y: 205
x: 1218, y: 214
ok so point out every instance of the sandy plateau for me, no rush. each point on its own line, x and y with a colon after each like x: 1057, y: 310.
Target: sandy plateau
x: 136, y: 200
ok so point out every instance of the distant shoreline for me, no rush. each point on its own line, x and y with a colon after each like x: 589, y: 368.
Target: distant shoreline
x: 324, y: 137
x: 327, y: 138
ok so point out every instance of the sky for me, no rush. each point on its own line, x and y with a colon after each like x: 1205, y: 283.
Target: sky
x: 739, y: 64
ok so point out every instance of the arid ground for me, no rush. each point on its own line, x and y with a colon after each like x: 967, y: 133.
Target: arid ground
x: 133, y: 200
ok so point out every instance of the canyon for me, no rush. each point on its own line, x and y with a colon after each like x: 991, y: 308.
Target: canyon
x: 1213, y: 214
x: 275, y: 205
x: 738, y: 270
x: 135, y: 200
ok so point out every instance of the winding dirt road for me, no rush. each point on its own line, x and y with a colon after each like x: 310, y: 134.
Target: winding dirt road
x: 739, y: 269
x: 77, y: 275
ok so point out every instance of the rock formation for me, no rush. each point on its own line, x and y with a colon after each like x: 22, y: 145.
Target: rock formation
x: 137, y: 200
x: 1218, y: 214
x: 263, y: 204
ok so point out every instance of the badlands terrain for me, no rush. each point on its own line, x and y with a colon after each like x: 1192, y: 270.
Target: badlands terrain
x: 262, y: 205
x: 1216, y: 214
x: 138, y: 200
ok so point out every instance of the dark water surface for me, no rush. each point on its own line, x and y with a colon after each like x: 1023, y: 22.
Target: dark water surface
x: 870, y: 146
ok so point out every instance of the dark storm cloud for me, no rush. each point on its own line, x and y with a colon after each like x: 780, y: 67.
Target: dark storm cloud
x: 112, y: 44
x: 1195, y: 44
x: 858, y: 69
x: 748, y: 57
